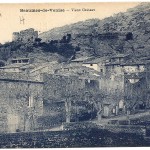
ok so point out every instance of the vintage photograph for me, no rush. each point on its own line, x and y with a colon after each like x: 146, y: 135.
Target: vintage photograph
x: 75, y: 75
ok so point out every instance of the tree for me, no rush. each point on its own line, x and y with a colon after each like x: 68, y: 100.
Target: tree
x: 96, y: 98
x: 38, y: 40
x: 2, y: 63
x: 63, y: 40
x: 68, y: 38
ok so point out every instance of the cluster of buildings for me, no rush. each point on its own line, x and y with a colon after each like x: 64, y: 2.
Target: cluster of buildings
x: 65, y: 91
x: 38, y: 95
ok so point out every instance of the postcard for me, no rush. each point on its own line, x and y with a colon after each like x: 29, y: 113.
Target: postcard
x: 75, y: 75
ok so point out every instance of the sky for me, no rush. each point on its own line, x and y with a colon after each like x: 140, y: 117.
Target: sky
x: 43, y: 21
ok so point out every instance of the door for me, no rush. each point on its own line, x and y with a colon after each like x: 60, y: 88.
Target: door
x: 106, y: 111
x: 13, y: 121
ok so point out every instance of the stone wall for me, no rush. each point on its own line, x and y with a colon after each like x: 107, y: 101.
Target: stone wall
x: 80, y: 126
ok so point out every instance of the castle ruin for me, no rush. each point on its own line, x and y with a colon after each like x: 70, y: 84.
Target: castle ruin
x: 25, y: 36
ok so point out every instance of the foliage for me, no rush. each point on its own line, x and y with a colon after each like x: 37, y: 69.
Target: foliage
x: 62, y: 47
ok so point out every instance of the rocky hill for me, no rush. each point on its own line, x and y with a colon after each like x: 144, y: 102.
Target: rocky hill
x: 110, y: 35
x: 127, y: 33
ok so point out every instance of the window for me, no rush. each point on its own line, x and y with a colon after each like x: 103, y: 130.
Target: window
x: 91, y: 64
x: 113, y: 66
x: 25, y: 60
x: 23, y: 69
x: 14, y: 61
x: 66, y: 69
x: 55, y: 92
x: 101, y: 70
x: 129, y: 36
x: 30, y: 101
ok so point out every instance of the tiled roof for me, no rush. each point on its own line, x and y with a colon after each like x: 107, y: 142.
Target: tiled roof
x: 81, y: 59
x: 96, y: 60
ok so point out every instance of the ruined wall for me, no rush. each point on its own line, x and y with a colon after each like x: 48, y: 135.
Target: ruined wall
x: 20, y: 104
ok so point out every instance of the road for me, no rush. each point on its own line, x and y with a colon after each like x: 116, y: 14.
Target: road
x: 125, y: 117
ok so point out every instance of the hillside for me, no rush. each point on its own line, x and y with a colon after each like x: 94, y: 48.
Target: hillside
x: 127, y: 33
x: 90, y: 35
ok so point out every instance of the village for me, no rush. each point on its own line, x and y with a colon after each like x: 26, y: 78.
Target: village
x: 39, y: 95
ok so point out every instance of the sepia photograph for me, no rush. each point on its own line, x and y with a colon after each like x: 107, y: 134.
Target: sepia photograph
x: 75, y: 75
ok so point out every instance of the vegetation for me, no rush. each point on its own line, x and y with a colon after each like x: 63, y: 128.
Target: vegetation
x: 62, y: 47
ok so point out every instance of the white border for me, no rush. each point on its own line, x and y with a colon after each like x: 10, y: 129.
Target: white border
x: 67, y: 1
x: 76, y: 1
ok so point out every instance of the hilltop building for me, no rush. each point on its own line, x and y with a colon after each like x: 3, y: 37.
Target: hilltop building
x: 25, y: 36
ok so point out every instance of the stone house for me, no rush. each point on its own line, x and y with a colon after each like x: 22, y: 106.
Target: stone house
x: 12, y: 68
x: 29, y: 67
x: 97, y: 64
x: 21, y: 61
x: 15, y: 64
x: 40, y: 68
x: 21, y: 102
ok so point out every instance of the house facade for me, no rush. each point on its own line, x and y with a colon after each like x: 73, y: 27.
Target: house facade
x: 21, y: 103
